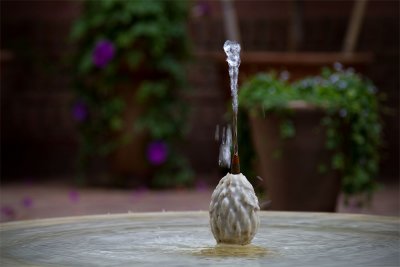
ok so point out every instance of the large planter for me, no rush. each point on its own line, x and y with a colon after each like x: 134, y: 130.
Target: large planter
x: 291, y: 179
x: 289, y: 168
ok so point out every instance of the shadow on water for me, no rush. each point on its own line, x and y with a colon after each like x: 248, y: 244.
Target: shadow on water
x: 227, y: 250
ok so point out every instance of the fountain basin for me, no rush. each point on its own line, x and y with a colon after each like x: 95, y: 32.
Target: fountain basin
x: 184, y: 239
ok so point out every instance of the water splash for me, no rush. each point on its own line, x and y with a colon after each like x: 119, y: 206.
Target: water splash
x: 225, y: 148
x: 232, y: 51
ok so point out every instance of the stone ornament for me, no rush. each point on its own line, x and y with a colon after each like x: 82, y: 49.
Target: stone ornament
x: 234, y: 210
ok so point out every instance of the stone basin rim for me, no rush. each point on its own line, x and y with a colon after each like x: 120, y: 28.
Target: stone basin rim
x: 184, y: 214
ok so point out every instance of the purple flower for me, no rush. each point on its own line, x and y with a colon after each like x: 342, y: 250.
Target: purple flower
x: 202, y: 8
x: 139, y: 192
x: 102, y: 53
x: 27, y: 202
x: 73, y: 196
x: 157, y: 152
x: 80, y: 111
x: 8, y: 211
x: 201, y: 186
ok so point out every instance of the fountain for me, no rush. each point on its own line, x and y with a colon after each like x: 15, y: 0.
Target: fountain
x: 184, y: 238
x: 234, y: 204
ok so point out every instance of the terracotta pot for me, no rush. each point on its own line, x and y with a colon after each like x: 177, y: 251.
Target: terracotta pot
x: 292, y: 179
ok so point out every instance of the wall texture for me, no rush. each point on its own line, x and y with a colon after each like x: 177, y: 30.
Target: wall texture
x: 38, y: 137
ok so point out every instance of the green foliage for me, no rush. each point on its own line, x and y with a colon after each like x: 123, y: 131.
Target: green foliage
x: 151, y: 45
x: 351, y: 105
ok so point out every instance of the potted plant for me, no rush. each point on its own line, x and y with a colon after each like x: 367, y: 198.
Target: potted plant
x: 313, y: 137
x: 129, y: 78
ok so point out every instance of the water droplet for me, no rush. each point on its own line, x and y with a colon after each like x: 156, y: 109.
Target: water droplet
x: 216, y: 137
x: 223, y: 135
x: 228, y: 136
x: 232, y: 51
x: 225, y: 148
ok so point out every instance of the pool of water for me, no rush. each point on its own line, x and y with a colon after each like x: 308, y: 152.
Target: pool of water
x: 184, y: 239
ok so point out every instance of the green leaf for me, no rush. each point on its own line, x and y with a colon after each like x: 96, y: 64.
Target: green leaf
x: 116, y: 123
x: 78, y: 30
x: 338, y: 161
x: 322, y: 169
x: 133, y: 58
x: 277, y: 154
x: 124, y: 40
x: 85, y: 64
x: 287, y: 129
x: 151, y: 89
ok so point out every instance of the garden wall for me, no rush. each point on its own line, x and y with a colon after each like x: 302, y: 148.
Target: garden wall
x: 38, y: 137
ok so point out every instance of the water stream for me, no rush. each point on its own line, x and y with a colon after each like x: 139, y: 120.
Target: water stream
x: 232, y: 50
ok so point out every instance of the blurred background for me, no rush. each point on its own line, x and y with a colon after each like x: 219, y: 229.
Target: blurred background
x: 112, y: 106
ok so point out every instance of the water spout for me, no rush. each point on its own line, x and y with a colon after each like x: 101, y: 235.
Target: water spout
x: 232, y: 51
